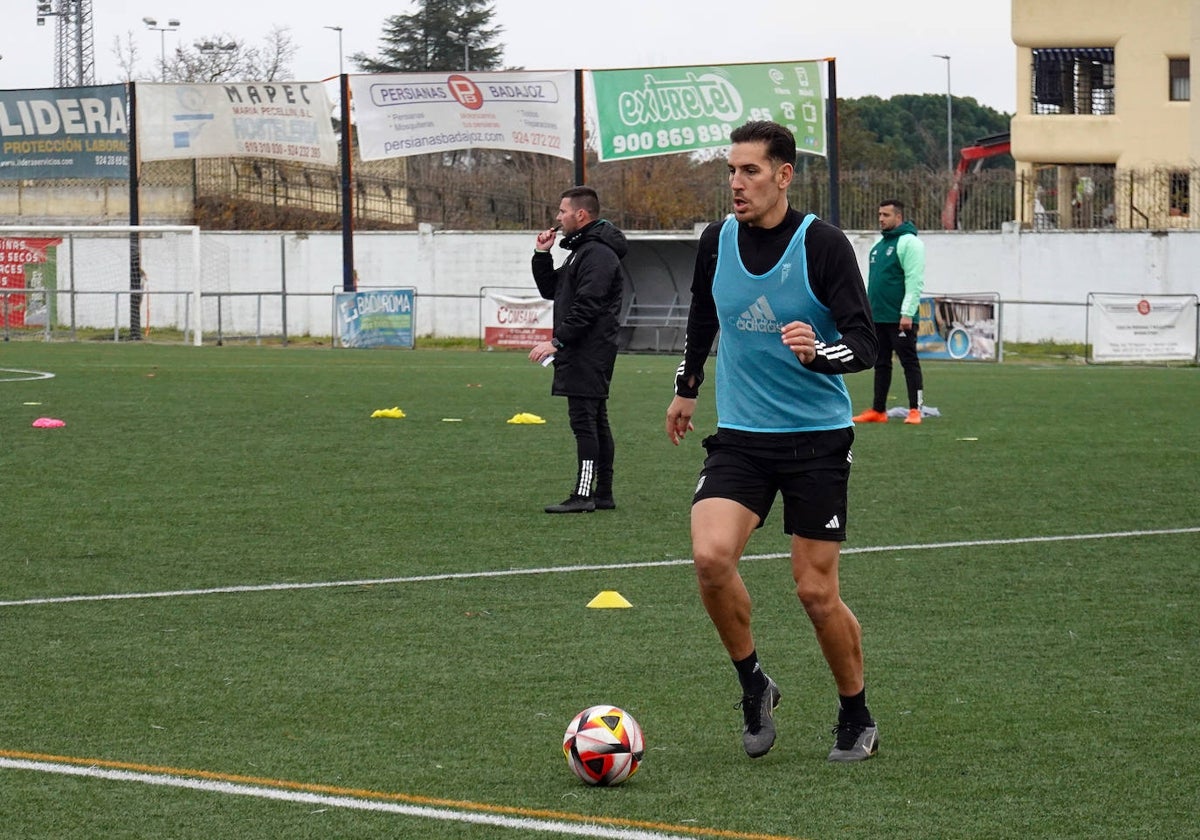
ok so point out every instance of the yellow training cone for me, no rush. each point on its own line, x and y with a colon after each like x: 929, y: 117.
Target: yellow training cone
x: 526, y: 419
x: 609, y: 599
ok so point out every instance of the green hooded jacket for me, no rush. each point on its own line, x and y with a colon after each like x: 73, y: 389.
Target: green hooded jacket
x: 897, y: 275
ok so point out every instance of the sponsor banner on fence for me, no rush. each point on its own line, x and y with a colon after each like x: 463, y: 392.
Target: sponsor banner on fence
x: 516, y: 321
x: 664, y: 110
x: 28, y: 263
x: 418, y: 113
x: 962, y: 327
x: 281, y: 120
x: 80, y: 132
x: 1142, y: 328
x: 375, y: 317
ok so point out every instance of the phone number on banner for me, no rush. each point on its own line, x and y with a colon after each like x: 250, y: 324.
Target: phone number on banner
x: 527, y: 138
x: 671, y: 138
x: 292, y: 150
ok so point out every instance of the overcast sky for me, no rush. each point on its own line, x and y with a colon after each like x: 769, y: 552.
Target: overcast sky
x: 882, y: 47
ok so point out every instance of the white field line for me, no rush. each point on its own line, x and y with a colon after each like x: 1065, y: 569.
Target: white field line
x: 354, y: 802
x: 31, y: 375
x: 548, y: 570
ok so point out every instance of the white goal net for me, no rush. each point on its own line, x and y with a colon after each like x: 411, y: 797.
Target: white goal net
x: 113, y: 280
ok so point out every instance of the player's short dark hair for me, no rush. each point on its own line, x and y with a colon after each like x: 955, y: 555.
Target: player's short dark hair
x: 894, y: 202
x: 584, y: 198
x: 781, y: 143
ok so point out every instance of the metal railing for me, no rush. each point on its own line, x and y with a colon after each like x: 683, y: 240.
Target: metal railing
x: 520, y: 192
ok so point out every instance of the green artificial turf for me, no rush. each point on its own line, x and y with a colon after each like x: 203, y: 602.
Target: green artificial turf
x: 412, y: 625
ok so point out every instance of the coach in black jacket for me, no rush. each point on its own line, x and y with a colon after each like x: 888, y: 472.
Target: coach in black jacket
x: 586, y: 290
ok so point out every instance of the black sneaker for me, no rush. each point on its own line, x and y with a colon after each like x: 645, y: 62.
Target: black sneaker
x: 758, y: 734
x: 855, y: 742
x: 605, y: 503
x: 573, y: 504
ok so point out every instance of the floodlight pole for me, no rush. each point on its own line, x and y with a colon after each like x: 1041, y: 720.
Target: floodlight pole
x: 949, y: 116
x: 172, y: 26
x: 338, y: 30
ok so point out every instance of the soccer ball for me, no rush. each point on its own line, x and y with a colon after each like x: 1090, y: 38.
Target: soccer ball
x: 604, y: 745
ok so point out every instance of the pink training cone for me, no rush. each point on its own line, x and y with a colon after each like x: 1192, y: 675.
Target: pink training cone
x: 48, y: 423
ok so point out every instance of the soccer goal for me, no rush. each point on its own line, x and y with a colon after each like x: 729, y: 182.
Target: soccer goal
x: 130, y: 282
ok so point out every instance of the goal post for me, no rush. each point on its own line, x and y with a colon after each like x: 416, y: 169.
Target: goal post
x: 130, y: 279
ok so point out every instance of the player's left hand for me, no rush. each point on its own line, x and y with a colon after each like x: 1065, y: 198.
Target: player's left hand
x: 801, y: 340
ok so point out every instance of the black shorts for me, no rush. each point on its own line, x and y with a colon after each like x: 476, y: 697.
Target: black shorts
x: 810, y: 469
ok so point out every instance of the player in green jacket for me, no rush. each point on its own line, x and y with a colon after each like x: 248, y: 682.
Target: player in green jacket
x: 894, y: 284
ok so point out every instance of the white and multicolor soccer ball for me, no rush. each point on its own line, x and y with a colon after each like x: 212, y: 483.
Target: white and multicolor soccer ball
x: 604, y: 745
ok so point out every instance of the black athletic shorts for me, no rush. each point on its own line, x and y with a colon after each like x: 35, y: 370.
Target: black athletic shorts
x: 810, y: 469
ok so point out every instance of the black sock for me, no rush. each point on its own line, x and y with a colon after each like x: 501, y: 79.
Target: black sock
x: 750, y: 674
x: 854, y: 709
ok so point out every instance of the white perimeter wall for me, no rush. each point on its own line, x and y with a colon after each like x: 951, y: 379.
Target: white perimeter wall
x: 1043, y: 278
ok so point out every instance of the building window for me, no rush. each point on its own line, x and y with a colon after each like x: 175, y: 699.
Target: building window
x: 1181, y: 185
x: 1074, y: 80
x: 1181, y: 80
x: 1075, y: 196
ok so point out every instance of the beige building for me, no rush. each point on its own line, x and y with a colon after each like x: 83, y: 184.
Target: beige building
x: 1104, y: 134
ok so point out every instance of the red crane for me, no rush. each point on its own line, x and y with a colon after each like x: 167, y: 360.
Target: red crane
x: 971, y: 158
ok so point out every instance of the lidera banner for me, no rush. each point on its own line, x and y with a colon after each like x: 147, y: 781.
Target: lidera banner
x: 80, y: 132
x: 665, y: 110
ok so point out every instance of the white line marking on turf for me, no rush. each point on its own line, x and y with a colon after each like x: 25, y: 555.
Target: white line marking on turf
x: 548, y: 570
x: 445, y: 814
x: 33, y: 374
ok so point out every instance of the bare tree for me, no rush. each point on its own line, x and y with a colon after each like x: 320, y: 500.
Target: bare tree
x: 126, y: 53
x: 272, y: 62
x: 219, y: 57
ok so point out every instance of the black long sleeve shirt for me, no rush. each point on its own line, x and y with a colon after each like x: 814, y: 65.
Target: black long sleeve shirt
x: 833, y: 274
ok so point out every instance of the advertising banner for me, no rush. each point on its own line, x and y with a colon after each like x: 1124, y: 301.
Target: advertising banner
x: 375, y: 317
x: 511, y: 320
x: 28, y: 263
x: 665, y: 110
x: 280, y: 120
x: 79, y: 132
x: 418, y: 113
x: 961, y: 327
x: 1142, y: 328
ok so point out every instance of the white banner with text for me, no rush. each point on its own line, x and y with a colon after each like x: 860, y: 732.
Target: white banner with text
x: 1141, y: 328
x: 281, y: 120
x: 515, y: 320
x: 404, y: 114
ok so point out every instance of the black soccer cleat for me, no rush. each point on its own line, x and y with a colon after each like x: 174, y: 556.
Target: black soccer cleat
x: 573, y: 504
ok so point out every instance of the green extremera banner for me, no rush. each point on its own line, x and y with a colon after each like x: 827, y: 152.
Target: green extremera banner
x: 665, y: 110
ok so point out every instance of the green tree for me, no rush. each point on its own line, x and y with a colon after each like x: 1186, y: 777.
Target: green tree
x: 909, y: 130
x: 858, y: 145
x: 439, y: 35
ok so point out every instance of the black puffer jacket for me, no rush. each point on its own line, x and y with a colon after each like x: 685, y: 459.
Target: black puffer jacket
x: 586, y: 290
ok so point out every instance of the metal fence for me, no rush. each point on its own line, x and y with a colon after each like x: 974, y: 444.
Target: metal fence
x: 520, y: 192
x: 488, y: 190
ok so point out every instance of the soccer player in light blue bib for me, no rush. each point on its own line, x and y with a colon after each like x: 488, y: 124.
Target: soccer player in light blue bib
x: 784, y: 292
